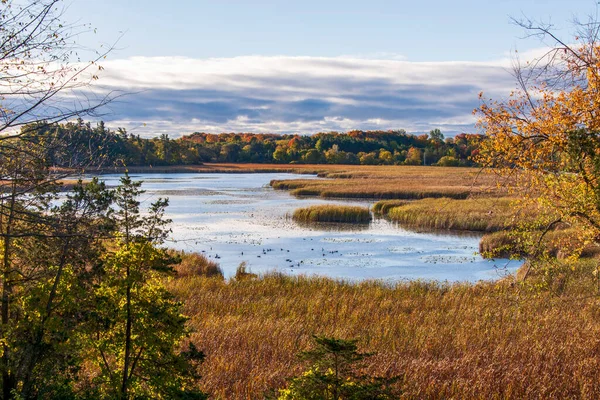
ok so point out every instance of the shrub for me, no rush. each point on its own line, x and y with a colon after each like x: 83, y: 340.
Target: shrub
x: 332, y: 375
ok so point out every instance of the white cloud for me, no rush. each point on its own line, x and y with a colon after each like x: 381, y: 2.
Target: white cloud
x: 178, y: 95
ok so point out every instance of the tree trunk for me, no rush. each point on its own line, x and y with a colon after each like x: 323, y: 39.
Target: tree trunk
x: 8, y: 379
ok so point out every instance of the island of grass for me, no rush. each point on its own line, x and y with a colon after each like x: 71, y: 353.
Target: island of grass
x: 333, y: 213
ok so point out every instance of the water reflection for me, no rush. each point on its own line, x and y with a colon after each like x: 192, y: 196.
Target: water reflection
x: 234, y: 218
x: 333, y: 226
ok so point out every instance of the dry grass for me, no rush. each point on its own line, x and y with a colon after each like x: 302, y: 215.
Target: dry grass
x: 483, y: 341
x: 481, y: 214
x: 332, y: 213
x: 223, y: 168
x: 242, y: 272
x: 557, y: 243
x: 499, y: 244
x: 383, y: 207
x: 394, y: 182
x: 194, y: 264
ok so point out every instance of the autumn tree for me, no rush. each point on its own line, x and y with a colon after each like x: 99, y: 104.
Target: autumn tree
x: 414, y: 156
x: 544, y: 140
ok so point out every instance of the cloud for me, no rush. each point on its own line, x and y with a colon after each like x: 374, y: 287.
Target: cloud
x: 178, y: 95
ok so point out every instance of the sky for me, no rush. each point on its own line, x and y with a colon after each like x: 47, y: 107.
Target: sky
x: 309, y: 66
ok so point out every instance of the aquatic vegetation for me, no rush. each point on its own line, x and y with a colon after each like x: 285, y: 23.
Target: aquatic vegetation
x: 481, y: 214
x: 333, y: 213
x: 382, y: 207
x: 397, y: 182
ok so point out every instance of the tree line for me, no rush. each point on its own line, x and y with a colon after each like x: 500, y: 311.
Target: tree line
x: 394, y: 147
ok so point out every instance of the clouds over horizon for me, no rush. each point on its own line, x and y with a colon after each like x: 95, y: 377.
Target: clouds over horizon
x: 261, y: 94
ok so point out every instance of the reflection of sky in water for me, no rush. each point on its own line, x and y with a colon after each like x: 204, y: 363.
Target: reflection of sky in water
x: 238, y: 217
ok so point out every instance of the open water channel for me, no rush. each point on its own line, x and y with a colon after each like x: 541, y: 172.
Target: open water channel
x: 235, y: 218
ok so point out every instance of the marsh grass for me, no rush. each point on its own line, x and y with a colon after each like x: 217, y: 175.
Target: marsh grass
x: 332, y: 213
x: 471, y: 341
x: 382, y: 207
x: 242, y: 272
x: 393, y: 182
x: 556, y: 243
x: 479, y: 214
x: 195, y: 264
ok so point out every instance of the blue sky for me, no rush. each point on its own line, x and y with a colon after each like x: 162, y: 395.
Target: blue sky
x: 306, y: 66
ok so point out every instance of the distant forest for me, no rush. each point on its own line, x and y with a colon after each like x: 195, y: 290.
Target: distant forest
x: 395, y: 147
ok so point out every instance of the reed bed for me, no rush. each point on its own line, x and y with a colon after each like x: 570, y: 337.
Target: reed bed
x: 394, y: 182
x: 469, y: 341
x: 370, y: 189
x: 222, y: 168
x: 332, y: 213
x: 383, y: 207
x: 481, y: 214
x: 195, y: 264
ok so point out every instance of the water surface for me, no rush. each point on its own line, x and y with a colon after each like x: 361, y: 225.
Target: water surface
x: 234, y: 218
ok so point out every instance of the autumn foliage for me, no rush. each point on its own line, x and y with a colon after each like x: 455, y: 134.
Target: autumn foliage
x: 546, y: 136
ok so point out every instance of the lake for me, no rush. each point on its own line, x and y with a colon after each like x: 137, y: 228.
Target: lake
x: 235, y: 218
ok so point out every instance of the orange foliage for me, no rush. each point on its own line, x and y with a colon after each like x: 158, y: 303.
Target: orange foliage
x: 547, y: 136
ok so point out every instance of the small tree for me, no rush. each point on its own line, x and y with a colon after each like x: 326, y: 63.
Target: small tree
x: 333, y: 375
x: 138, y: 326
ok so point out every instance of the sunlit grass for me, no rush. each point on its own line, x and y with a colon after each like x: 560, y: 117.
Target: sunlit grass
x: 383, y: 207
x: 555, y: 243
x: 481, y: 214
x: 393, y: 182
x: 468, y: 341
x: 332, y: 213
x: 194, y: 264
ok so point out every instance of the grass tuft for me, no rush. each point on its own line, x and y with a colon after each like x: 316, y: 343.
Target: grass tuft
x: 242, y: 273
x: 194, y: 264
x: 332, y: 213
x: 383, y: 207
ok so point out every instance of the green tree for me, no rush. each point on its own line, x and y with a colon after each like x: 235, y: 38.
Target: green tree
x: 138, y: 326
x: 312, y: 156
x: 436, y: 135
x: 447, y: 161
x: 332, y: 375
x: 281, y: 155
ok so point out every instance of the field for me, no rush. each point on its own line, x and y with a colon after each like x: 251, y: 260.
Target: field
x: 483, y: 341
